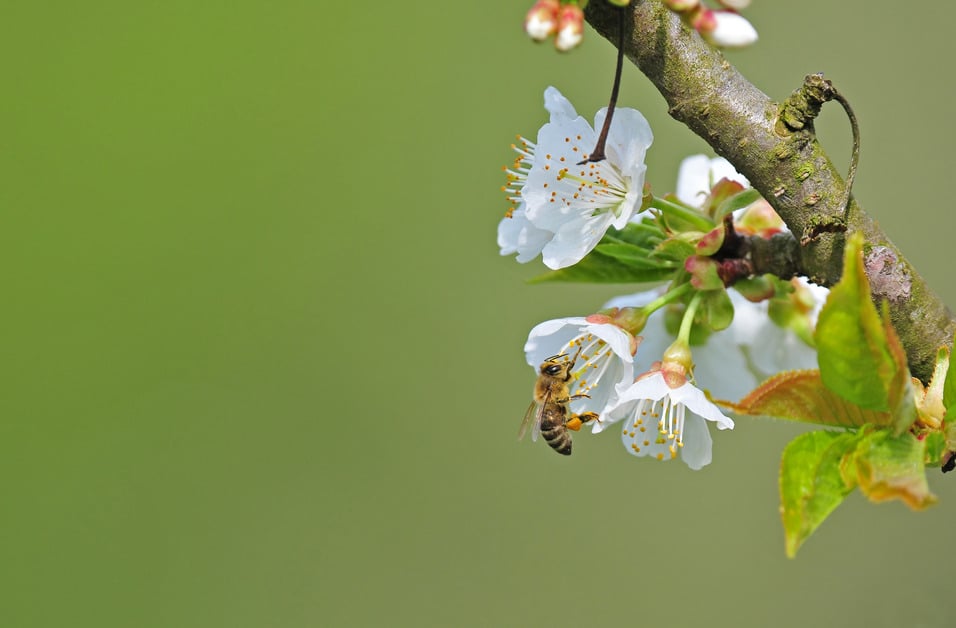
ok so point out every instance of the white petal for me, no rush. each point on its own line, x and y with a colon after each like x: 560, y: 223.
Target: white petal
x: 694, y: 400
x: 517, y: 235
x: 548, y: 338
x: 720, y: 168
x: 618, y: 339
x: 574, y: 239
x: 692, y: 180
x: 770, y: 348
x: 630, y: 136
x: 721, y: 366
x: 558, y: 106
x: 560, y: 145
x: 607, y: 373
x: 651, y: 387
x: 698, y: 444
x: 776, y: 349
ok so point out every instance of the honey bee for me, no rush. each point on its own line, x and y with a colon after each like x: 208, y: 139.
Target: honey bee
x: 549, y: 412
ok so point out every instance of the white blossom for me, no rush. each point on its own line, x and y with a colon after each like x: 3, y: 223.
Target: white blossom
x: 516, y: 234
x: 606, y: 359
x: 664, y: 422
x: 577, y: 203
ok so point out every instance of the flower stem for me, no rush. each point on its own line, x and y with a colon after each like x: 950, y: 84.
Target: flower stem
x: 668, y: 297
x: 687, y: 322
x: 598, y: 153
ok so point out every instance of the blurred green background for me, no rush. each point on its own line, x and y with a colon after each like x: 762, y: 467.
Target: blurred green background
x: 262, y: 363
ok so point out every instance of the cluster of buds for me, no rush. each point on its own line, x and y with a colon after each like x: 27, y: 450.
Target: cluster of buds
x: 551, y: 17
x: 723, y: 27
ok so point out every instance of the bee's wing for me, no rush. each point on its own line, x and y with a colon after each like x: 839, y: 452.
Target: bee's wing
x: 533, y: 415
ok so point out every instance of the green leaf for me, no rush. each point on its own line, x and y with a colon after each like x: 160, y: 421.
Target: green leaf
x: 676, y: 248
x: 633, y: 255
x: 719, y: 193
x: 891, y: 467
x: 756, y: 289
x: 703, y: 273
x: 644, y: 234
x: 811, y: 485
x: 678, y: 217
x: 949, y: 390
x: 855, y: 358
x: 737, y: 201
x: 801, y: 396
x: 596, y: 267
x: 935, y: 446
x: 717, y: 308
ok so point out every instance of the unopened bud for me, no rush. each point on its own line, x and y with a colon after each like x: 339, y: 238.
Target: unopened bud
x: 758, y: 219
x: 570, y: 27
x: 703, y: 21
x: 731, y: 30
x: 677, y: 362
x: 542, y: 19
x: 620, y: 3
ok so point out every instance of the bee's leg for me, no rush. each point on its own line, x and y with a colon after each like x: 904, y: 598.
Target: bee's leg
x: 575, y: 421
x: 557, y: 399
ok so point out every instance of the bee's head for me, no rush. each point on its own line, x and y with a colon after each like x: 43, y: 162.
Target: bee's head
x: 555, y: 366
x: 559, y: 365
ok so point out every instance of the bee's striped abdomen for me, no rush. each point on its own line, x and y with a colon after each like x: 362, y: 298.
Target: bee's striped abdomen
x: 554, y: 431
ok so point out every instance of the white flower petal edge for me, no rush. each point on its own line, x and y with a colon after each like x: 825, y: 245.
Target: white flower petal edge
x: 558, y: 106
x: 606, y: 359
x: 656, y: 422
x: 516, y: 234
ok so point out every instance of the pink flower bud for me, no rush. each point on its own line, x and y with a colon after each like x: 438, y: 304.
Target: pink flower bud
x: 542, y: 19
x: 703, y: 20
x: 570, y: 27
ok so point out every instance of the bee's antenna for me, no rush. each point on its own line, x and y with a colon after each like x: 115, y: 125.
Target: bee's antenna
x: 576, y: 354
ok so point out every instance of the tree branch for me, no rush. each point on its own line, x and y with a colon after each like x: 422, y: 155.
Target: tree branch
x: 785, y: 164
